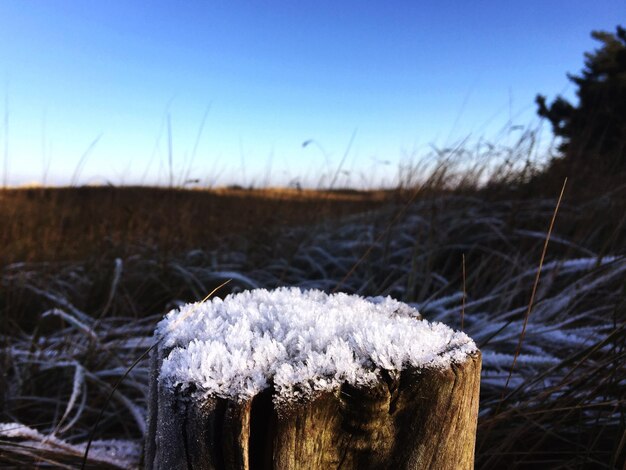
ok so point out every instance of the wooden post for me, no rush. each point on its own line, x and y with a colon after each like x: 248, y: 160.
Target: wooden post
x: 419, y: 419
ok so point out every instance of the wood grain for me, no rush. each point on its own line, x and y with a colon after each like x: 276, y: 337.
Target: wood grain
x: 423, y: 419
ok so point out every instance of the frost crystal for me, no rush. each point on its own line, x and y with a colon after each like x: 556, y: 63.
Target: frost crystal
x: 300, y: 341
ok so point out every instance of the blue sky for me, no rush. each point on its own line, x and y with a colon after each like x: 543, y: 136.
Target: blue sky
x: 264, y: 77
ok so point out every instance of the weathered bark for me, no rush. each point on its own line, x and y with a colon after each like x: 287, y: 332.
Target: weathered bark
x: 424, y: 419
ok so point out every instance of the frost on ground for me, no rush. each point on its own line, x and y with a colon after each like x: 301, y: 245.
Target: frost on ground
x: 300, y: 341
x: 114, y: 453
x: 564, y: 395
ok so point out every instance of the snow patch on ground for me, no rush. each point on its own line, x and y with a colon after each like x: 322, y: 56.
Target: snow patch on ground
x: 301, y: 341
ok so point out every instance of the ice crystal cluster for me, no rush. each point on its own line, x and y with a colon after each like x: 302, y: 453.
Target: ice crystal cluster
x: 301, y: 342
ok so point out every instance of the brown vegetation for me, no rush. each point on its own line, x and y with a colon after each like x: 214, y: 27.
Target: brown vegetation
x: 61, y: 224
x: 87, y: 273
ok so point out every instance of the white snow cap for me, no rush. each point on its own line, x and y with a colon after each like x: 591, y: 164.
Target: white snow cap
x: 301, y: 341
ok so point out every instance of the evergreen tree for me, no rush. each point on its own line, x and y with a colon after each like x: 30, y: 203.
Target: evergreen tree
x: 594, y: 132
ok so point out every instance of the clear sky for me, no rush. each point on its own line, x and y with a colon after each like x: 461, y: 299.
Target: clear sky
x: 246, y: 83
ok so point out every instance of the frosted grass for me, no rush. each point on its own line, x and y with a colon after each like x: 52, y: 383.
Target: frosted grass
x: 572, y: 357
x: 105, y: 453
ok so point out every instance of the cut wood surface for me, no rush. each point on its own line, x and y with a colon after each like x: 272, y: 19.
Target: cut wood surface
x: 417, y: 418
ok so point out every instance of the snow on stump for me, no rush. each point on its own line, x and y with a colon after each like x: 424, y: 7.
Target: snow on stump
x: 296, y: 379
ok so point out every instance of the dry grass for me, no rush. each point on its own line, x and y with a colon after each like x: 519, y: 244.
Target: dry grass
x: 44, y: 224
x: 87, y: 273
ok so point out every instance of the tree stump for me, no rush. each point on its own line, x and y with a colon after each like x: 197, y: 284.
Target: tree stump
x: 264, y: 380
